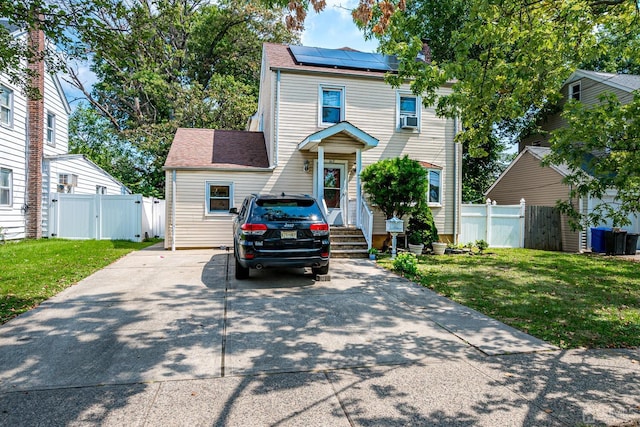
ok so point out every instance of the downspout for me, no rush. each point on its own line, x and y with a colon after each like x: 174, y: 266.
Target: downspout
x: 277, y: 124
x: 455, y: 181
x: 173, y: 210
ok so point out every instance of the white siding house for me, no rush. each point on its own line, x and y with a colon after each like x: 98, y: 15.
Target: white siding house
x: 317, y: 126
x: 86, y: 177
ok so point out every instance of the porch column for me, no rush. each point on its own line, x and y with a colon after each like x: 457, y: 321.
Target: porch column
x: 358, y: 187
x: 320, y: 176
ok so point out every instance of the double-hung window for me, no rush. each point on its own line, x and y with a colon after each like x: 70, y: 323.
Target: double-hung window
x: 51, y: 129
x: 408, y: 108
x: 574, y: 91
x: 219, y: 197
x: 331, y: 105
x: 67, y: 183
x: 6, y: 181
x: 6, y: 106
x: 101, y: 189
x: 435, y: 187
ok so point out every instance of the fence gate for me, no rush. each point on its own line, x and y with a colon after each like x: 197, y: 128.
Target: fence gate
x: 501, y: 226
x: 542, y: 228
x: 95, y: 216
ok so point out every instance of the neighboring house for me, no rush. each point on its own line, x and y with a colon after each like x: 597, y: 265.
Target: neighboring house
x: 526, y: 178
x: 23, y: 213
x: 323, y: 115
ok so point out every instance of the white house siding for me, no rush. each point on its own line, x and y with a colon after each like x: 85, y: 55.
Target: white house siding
x: 370, y: 105
x: 54, y: 103
x: 12, y: 156
x: 194, y: 227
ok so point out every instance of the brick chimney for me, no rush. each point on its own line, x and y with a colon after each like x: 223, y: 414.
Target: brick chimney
x: 35, y: 131
x: 425, y: 53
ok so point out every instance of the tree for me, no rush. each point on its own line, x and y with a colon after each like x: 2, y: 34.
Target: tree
x: 165, y: 64
x: 479, y: 172
x: 601, y: 145
x: 395, y: 185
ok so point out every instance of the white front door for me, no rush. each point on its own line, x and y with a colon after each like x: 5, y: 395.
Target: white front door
x: 335, y: 190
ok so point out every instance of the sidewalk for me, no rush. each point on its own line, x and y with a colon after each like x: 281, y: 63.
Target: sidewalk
x: 170, y: 338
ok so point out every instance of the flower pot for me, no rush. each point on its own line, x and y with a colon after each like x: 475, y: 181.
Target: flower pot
x: 372, y: 257
x: 416, y: 249
x: 439, y: 248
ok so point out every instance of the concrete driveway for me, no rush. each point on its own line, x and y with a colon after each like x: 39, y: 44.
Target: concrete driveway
x: 171, y: 338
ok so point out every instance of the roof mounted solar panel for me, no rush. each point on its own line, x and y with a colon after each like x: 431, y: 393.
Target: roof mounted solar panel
x: 347, y: 59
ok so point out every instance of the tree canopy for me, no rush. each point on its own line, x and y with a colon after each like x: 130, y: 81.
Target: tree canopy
x: 395, y: 185
x: 164, y: 64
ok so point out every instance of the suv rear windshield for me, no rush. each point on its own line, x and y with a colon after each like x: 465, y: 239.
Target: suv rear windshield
x: 287, y: 210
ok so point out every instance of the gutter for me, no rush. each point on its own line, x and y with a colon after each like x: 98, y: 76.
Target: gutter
x: 276, y: 136
x: 456, y: 196
x: 173, y: 210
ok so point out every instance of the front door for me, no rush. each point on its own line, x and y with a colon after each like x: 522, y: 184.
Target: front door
x: 335, y: 191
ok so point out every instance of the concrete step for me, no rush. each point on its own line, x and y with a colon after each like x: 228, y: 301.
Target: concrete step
x: 349, y: 253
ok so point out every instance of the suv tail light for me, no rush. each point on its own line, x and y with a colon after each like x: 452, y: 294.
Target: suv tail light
x: 320, y: 229
x: 253, y: 229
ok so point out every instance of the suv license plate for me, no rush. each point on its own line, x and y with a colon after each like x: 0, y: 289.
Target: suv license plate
x: 288, y: 234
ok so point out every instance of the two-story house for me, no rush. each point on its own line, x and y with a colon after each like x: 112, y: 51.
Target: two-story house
x: 323, y: 115
x: 34, y: 158
x: 543, y: 186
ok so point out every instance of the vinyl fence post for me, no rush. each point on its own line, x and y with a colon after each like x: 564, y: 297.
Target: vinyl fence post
x: 522, y: 220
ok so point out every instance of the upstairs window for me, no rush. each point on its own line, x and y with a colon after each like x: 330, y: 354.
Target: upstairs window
x: 6, y: 106
x: 408, y: 107
x: 6, y: 178
x: 574, y: 92
x: 51, y: 129
x: 219, y: 197
x: 332, y: 105
x: 435, y: 187
x: 67, y: 183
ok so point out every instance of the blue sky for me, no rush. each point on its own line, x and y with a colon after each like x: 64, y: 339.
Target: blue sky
x: 334, y: 28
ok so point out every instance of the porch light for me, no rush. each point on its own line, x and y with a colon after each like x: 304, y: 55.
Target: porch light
x: 305, y: 167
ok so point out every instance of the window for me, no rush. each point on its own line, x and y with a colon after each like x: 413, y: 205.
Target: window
x: 575, y: 91
x: 332, y: 102
x: 408, y: 109
x: 51, y: 129
x: 219, y: 197
x: 6, y: 178
x: 6, y: 106
x: 67, y: 182
x: 435, y: 186
x: 101, y: 189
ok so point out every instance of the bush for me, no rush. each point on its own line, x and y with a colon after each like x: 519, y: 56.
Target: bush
x: 406, y: 264
x: 421, y: 228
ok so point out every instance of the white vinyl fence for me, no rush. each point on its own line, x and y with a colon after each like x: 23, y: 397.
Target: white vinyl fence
x: 105, y: 217
x: 499, y: 226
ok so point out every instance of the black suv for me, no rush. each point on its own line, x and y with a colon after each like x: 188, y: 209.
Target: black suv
x: 280, y: 231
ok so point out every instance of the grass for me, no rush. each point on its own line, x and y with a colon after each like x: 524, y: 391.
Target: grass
x: 32, y: 271
x: 570, y: 300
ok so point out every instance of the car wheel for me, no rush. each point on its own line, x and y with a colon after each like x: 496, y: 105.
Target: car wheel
x: 321, y: 270
x: 241, y: 272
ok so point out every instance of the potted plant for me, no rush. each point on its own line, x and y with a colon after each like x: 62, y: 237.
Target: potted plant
x: 439, y: 248
x: 373, y: 252
x: 416, y: 241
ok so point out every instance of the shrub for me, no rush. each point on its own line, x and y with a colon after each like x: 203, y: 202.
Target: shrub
x: 421, y: 228
x: 406, y: 264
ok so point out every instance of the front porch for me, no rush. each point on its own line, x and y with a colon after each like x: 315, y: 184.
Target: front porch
x: 336, y: 180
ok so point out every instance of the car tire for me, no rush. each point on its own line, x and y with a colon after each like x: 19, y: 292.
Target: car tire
x: 242, y: 273
x: 321, y: 270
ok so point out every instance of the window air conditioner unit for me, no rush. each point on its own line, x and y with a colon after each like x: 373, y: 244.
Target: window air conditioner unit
x: 409, y: 122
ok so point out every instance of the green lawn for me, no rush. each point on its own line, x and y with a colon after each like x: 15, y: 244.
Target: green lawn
x: 34, y: 270
x: 569, y: 300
